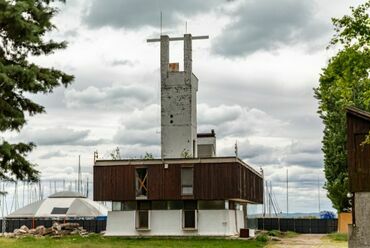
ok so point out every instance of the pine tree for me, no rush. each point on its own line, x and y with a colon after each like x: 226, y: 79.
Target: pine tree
x: 23, y: 26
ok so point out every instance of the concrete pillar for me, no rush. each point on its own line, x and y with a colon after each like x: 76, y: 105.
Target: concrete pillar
x: 188, y: 58
x: 359, y: 235
x: 165, y: 58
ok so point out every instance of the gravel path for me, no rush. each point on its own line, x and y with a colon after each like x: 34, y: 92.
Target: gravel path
x: 307, y: 241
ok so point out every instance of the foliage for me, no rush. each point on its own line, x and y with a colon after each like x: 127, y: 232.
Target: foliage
x: 101, y: 242
x: 262, y: 238
x: 148, y: 156
x: 23, y: 26
x: 186, y: 154
x: 344, y: 82
x: 115, y: 154
x: 338, y: 236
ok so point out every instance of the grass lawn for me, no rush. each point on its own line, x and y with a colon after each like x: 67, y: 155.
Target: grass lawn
x: 338, y: 236
x: 99, y: 241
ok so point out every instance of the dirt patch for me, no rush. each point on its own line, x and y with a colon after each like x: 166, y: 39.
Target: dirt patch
x: 307, y: 241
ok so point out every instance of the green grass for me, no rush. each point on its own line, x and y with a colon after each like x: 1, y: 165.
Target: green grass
x: 338, y: 236
x: 95, y: 241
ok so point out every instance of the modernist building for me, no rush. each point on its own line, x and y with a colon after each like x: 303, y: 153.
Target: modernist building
x: 189, y: 191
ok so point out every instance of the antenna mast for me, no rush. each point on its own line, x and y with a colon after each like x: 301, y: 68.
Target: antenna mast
x: 79, y: 174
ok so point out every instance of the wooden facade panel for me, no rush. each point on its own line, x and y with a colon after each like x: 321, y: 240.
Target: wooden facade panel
x: 212, y: 181
x: 358, y: 154
x: 172, y: 182
x: 155, y: 182
x: 114, y: 182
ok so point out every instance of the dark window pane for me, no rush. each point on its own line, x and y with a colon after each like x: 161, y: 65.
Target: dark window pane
x: 159, y: 205
x: 143, y: 205
x: 59, y: 211
x: 189, y: 218
x: 128, y: 205
x: 211, y: 204
x: 175, y: 205
x: 190, y: 205
x: 143, y: 219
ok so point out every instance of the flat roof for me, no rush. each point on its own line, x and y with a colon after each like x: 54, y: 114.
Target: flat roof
x: 104, y: 162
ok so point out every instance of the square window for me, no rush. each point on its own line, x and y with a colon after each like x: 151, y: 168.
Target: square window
x: 187, y: 180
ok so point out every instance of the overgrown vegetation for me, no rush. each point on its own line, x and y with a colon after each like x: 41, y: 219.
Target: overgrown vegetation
x: 344, y: 82
x: 100, y: 241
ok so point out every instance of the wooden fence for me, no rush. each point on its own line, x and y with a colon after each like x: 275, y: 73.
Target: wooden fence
x: 296, y: 225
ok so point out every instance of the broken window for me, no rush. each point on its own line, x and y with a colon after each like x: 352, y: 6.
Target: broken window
x: 187, y: 181
x: 141, y: 181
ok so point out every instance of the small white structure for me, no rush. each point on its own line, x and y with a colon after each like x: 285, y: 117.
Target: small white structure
x: 64, y: 205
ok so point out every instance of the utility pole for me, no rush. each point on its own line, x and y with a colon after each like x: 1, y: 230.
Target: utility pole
x: 79, y: 174
x: 318, y: 192
x: 287, y: 193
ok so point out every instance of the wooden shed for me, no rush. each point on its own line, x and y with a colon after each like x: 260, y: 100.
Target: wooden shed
x: 358, y: 127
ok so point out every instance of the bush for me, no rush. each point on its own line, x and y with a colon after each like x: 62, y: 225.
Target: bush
x: 262, y: 238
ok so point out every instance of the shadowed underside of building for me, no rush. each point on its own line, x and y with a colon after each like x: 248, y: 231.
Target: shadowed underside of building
x: 193, y: 196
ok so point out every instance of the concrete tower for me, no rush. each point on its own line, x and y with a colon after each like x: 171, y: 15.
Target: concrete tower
x: 178, y: 101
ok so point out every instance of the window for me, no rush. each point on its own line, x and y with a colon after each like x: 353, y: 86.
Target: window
x: 116, y: 206
x: 159, y: 205
x: 187, y: 181
x: 211, y: 204
x: 128, y: 205
x: 143, y: 215
x: 141, y: 183
x: 189, y: 215
x: 142, y: 219
x: 59, y: 211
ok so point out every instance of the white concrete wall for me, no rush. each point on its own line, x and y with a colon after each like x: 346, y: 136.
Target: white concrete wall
x: 169, y: 223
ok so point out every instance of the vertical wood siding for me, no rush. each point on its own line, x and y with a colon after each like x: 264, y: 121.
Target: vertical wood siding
x: 358, y: 154
x: 212, y: 181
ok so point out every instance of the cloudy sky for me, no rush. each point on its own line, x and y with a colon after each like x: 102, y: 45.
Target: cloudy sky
x: 256, y: 75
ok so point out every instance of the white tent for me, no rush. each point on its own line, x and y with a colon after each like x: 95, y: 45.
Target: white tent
x: 64, y: 204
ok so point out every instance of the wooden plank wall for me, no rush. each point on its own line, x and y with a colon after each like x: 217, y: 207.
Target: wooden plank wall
x: 358, y: 155
x: 213, y: 181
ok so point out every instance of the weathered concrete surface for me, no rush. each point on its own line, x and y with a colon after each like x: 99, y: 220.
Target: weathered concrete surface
x: 178, y: 104
x: 307, y: 241
x: 360, y: 233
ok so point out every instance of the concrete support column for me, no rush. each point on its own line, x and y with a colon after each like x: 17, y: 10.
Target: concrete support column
x: 188, y: 58
x: 359, y: 235
x: 165, y: 58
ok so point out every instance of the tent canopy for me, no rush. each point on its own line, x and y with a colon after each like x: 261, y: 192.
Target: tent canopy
x: 61, y: 205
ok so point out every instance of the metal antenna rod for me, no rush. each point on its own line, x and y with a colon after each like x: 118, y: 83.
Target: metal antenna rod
x: 161, y: 22
x: 318, y: 191
x: 287, y: 193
